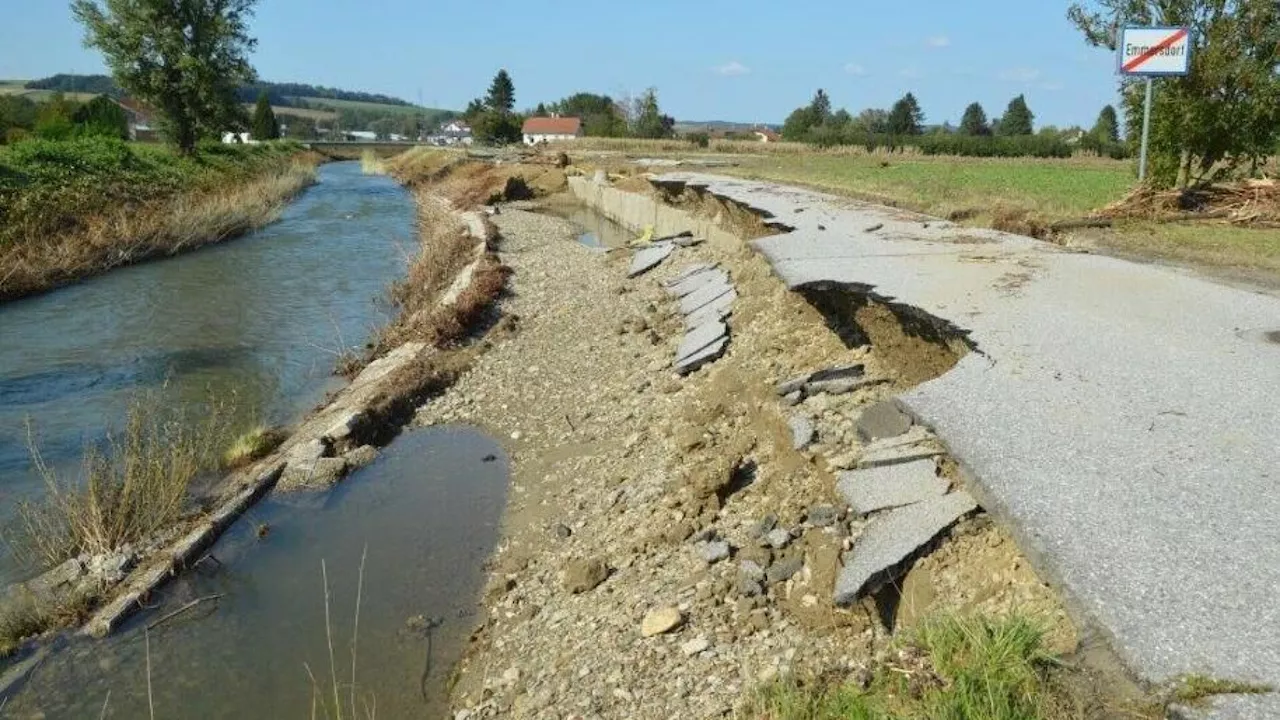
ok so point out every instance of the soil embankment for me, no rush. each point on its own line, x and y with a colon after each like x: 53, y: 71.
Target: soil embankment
x: 627, y: 476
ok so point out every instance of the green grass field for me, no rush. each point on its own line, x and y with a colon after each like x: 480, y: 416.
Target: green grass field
x: 18, y: 87
x: 356, y: 105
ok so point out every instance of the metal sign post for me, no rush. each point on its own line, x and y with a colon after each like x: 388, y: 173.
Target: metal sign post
x: 1150, y: 52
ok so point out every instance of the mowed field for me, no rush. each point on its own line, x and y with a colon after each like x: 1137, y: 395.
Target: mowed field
x: 356, y: 105
x: 18, y: 87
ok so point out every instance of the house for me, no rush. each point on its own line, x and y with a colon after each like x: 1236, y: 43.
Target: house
x: 551, y: 129
x: 455, y: 132
x: 456, y: 127
x: 142, y: 118
x: 238, y: 138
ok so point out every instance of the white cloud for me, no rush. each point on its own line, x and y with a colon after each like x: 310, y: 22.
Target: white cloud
x: 1020, y: 75
x: 855, y: 69
x: 938, y: 41
x: 911, y: 73
x: 733, y: 67
x: 1051, y: 86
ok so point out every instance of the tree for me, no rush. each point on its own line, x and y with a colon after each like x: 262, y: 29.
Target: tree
x: 906, y: 117
x: 264, y: 126
x: 649, y: 120
x: 497, y: 128
x: 101, y: 116
x: 502, y: 93
x: 802, y: 120
x: 974, y: 121
x: 540, y: 111
x: 1226, y: 113
x: 1018, y: 118
x: 185, y: 58
x: 1107, y: 128
x: 382, y: 128
x: 873, y: 121
x: 53, y: 119
x: 601, y: 116
x: 301, y: 128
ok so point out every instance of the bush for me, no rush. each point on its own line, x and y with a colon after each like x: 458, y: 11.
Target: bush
x: 827, y: 136
x: 699, y: 139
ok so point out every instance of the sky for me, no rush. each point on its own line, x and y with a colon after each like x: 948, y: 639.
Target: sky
x: 745, y: 61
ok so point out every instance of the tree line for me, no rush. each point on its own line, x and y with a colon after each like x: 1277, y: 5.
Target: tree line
x: 493, y: 118
x: 60, y: 118
x: 903, y: 125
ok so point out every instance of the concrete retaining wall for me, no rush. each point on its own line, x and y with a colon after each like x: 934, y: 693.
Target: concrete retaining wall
x: 636, y: 212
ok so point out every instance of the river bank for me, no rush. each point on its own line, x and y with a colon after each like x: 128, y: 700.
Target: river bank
x: 77, y: 208
x: 627, y: 476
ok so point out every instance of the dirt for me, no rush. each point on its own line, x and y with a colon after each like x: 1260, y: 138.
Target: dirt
x: 617, y: 458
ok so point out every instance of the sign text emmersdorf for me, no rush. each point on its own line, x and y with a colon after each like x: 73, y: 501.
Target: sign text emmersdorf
x: 1155, y: 51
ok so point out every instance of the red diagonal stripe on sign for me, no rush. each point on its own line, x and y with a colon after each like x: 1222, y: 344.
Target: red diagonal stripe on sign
x: 1154, y: 50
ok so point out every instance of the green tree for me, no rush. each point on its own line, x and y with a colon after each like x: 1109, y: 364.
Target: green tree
x: 906, y: 117
x: 186, y: 58
x: 498, y: 128
x: 872, y: 121
x: 974, y: 121
x: 1107, y: 128
x: 300, y: 128
x: 541, y: 111
x: 502, y: 93
x: 102, y: 116
x: 264, y: 125
x: 474, y: 110
x: 1225, y: 114
x: 601, y: 116
x: 649, y: 120
x: 1018, y: 118
x: 382, y: 128
x: 17, y: 114
x: 802, y: 120
x: 53, y: 119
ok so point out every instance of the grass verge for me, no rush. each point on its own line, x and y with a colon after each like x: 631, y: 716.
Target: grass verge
x: 950, y: 667
x: 134, y: 487
x: 77, y: 208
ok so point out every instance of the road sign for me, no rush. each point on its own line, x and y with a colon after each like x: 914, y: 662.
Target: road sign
x: 1150, y: 51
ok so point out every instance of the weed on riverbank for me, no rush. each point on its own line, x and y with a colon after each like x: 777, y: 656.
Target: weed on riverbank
x: 950, y: 667
x: 133, y: 487
x: 76, y: 208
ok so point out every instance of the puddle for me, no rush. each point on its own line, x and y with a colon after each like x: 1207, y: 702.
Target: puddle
x: 428, y: 511
x: 598, y: 232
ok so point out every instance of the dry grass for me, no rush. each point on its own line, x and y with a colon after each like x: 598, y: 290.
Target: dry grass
x: 253, y: 445
x: 134, y: 487
x: 166, y: 227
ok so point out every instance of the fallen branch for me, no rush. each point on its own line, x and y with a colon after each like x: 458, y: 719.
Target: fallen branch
x: 181, y: 610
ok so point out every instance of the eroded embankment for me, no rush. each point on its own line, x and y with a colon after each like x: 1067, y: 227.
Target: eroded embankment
x: 445, y: 319
x: 672, y: 541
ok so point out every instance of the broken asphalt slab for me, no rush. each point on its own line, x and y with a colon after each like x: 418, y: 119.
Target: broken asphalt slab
x: 704, y: 295
x: 891, y: 538
x: 1119, y: 418
x: 699, y: 338
x: 891, y: 486
x: 648, y: 258
x: 698, y: 281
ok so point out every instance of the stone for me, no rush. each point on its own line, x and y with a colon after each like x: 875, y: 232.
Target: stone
x: 802, y: 432
x: 695, y: 646
x: 823, y: 515
x: 361, y: 456
x: 714, y: 551
x: 891, y: 538
x: 340, y: 430
x: 778, y: 538
x: 327, y: 472
x: 896, y: 456
x: 562, y: 531
x: 762, y: 526
x: 751, y: 569
x: 697, y: 281
x: 648, y: 258
x: 305, y: 453
x: 748, y: 587
x: 792, y: 399
x: 688, y: 241
x: 839, y: 386
x: 659, y: 621
x: 699, y: 339
x: 882, y: 420
x: 705, y: 295
x: 702, y: 357
x: 581, y: 576
x: 889, y: 486
x: 782, y: 570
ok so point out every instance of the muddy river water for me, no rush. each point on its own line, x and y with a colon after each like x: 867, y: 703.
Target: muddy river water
x: 262, y: 317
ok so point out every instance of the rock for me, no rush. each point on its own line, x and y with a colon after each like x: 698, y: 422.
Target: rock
x: 778, y: 538
x: 823, y: 515
x: 361, y: 456
x: 111, y: 567
x: 882, y: 420
x: 562, y: 531
x: 763, y: 526
x: 792, y: 399
x: 891, y: 538
x: 802, y: 432
x: 327, y: 472
x: 581, y: 576
x: 511, y: 676
x: 714, y: 551
x: 842, y: 386
x: 659, y: 621
x: 748, y: 587
x: 306, y: 453
x: 794, y: 385
x: 872, y: 458
x: 751, y: 569
x: 890, y: 486
x: 782, y: 570
x: 695, y: 646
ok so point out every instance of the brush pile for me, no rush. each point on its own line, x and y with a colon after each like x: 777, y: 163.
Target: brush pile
x: 1252, y: 202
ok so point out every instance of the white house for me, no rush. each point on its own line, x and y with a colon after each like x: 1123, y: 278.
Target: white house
x: 551, y: 129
